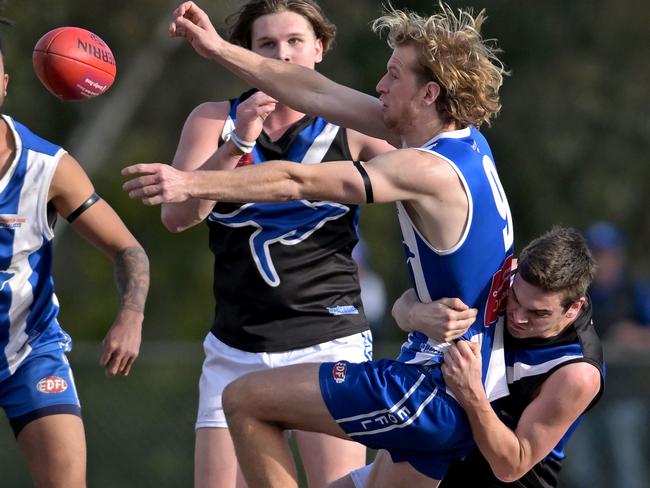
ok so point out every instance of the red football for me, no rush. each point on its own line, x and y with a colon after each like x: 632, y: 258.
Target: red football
x: 74, y: 63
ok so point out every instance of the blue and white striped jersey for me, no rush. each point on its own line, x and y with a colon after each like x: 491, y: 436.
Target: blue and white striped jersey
x: 28, y: 305
x: 477, y: 269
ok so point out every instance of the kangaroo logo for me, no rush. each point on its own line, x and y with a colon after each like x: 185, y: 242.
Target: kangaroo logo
x: 4, y: 279
x: 288, y: 223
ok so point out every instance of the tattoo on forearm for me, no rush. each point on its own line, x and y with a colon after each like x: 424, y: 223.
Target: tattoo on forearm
x: 132, y: 277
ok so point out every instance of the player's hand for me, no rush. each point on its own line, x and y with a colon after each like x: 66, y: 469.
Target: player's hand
x: 462, y: 370
x: 251, y: 114
x: 157, y: 183
x: 121, y: 345
x: 192, y: 23
x: 442, y: 320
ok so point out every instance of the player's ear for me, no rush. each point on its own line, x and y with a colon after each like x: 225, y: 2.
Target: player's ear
x: 575, y: 308
x: 431, y: 92
x: 319, y: 50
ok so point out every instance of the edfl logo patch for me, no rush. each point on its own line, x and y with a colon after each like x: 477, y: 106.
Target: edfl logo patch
x: 52, y: 384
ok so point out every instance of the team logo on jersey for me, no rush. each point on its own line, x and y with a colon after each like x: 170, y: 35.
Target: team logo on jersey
x: 338, y: 371
x: 52, y: 384
x: 5, y: 276
x: 287, y: 223
x: 496, y: 303
x: 343, y: 310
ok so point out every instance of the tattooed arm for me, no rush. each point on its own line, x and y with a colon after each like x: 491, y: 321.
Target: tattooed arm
x: 131, y: 268
x: 122, y: 342
x: 100, y: 225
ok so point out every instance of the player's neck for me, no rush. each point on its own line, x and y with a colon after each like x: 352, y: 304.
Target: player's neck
x: 7, y: 147
x: 280, y: 120
x: 419, y: 133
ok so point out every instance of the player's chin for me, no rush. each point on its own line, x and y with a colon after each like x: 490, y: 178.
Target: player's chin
x: 518, y: 331
x: 390, y: 122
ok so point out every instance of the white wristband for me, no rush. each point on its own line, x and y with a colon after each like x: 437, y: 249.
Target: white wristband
x: 244, y: 146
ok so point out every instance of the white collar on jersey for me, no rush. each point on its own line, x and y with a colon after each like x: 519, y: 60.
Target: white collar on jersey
x: 451, y: 134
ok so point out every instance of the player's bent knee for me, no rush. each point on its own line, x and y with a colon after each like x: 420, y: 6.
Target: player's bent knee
x: 255, y: 395
x: 234, y: 398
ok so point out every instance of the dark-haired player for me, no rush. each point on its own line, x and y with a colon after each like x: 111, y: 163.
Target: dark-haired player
x: 285, y: 283
x: 554, y: 363
x: 39, y: 180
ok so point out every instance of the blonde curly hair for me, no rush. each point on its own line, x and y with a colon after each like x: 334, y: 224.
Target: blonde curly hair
x: 454, y: 55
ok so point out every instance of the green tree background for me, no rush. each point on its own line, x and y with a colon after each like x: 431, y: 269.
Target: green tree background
x: 572, y: 143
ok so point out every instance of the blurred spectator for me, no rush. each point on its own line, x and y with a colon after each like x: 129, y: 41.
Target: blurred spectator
x: 610, y: 449
x: 373, y: 291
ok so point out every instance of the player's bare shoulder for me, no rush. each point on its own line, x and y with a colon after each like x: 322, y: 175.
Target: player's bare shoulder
x: 68, y: 172
x: 424, y: 172
x: 581, y: 379
x: 210, y: 112
x: 68, y: 175
x: 365, y: 147
x: 201, y: 132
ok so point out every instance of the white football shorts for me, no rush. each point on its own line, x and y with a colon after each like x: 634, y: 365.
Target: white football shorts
x: 224, y: 364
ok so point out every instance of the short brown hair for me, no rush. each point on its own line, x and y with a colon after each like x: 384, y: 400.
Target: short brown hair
x: 454, y: 55
x: 559, y: 260
x: 242, y: 20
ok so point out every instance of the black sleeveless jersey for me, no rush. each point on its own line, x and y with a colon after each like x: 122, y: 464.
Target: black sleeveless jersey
x: 284, y: 277
x: 529, y: 363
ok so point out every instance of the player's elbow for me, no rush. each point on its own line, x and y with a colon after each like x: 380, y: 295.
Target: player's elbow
x: 509, y: 477
x: 401, y: 316
x: 508, y: 472
x: 173, y: 220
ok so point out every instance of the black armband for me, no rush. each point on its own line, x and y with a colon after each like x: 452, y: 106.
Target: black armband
x: 83, y: 207
x: 366, y: 181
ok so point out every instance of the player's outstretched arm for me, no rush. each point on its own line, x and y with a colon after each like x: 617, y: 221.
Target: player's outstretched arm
x: 564, y: 396
x: 301, y: 88
x: 100, y: 225
x: 278, y: 181
x: 444, y: 320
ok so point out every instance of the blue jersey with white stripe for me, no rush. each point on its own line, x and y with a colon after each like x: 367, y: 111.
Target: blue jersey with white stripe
x: 477, y: 269
x: 28, y: 305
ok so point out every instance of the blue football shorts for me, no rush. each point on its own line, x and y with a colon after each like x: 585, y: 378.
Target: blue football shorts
x: 402, y: 408
x: 42, y: 385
